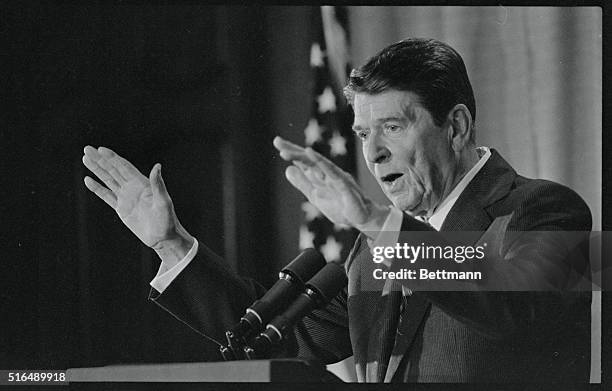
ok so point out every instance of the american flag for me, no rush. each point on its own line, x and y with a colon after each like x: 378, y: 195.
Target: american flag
x: 329, y: 128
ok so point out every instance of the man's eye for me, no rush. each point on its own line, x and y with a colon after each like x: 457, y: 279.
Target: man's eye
x: 392, y: 130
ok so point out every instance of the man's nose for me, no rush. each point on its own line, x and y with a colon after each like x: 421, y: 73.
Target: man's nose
x: 377, y: 152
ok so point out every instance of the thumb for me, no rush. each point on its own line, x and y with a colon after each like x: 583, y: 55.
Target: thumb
x: 160, y: 193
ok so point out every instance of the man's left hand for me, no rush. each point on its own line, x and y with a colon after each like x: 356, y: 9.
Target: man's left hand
x: 333, y: 191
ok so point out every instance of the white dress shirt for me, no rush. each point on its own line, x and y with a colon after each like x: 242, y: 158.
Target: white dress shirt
x: 388, y: 236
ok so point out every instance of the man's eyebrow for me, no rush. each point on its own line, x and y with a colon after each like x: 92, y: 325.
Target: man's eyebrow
x: 357, y: 128
x: 391, y: 118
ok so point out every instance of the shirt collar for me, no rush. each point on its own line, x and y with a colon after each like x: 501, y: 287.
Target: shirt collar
x: 437, y: 218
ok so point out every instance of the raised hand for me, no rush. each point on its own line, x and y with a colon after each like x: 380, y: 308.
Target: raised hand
x: 333, y: 191
x: 143, y: 204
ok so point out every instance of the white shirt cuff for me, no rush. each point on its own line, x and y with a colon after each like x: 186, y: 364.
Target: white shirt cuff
x: 165, y: 275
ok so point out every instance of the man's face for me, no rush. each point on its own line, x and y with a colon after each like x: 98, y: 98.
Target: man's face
x: 409, y: 156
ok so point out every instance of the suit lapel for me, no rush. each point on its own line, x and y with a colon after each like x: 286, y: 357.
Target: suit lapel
x: 492, y: 183
x: 457, y: 219
x: 410, y: 319
x: 373, y: 317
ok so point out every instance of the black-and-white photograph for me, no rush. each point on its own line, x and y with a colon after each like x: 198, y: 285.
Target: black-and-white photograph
x: 199, y: 195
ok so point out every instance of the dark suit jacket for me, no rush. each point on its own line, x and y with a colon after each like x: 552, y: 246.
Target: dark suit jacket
x: 434, y: 336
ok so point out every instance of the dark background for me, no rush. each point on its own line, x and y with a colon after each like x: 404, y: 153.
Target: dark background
x: 203, y: 90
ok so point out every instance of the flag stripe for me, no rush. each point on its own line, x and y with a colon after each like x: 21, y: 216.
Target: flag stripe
x: 328, y: 130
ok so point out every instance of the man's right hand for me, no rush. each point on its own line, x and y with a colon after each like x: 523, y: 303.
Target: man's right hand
x: 143, y: 204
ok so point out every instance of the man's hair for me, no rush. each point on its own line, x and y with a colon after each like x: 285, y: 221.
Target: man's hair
x: 429, y: 68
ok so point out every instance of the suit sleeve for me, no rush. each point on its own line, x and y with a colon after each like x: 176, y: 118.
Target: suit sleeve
x: 534, y: 252
x: 210, y: 298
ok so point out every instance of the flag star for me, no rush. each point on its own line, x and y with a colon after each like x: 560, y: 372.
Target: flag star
x: 306, y: 238
x: 327, y: 101
x: 311, y: 211
x: 316, y: 56
x: 337, y: 144
x: 312, y: 132
x: 331, y: 249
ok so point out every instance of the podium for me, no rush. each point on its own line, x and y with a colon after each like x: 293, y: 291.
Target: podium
x: 277, y: 370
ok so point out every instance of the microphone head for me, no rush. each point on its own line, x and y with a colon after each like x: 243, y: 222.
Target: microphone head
x: 328, y: 282
x: 305, y: 265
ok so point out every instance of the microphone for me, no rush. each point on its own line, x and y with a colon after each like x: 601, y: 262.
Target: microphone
x: 320, y: 290
x: 290, y: 283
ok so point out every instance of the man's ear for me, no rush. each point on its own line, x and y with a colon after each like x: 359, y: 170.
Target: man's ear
x: 460, y: 131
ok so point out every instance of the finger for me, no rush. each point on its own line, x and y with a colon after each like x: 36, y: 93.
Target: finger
x: 314, y: 175
x: 125, y: 168
x: 100, y: 172
x: 289, y: 151
x: 297, y: 178
x: 160, y: 192
x: 280, y: 144
x: 92, y: 153
x: 328, y: 168
x: 112, y: 171
x: 289, y: 155
x: 105, y: 194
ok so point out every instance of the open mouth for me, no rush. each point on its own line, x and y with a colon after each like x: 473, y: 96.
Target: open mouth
x: 390, y: 178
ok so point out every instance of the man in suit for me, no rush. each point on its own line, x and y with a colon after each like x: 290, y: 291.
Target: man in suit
x: 414, y: 113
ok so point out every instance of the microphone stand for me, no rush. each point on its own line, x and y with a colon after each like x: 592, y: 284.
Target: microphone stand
x: 318, y: 293
x: 236, y: 349
x: 307, y: 265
